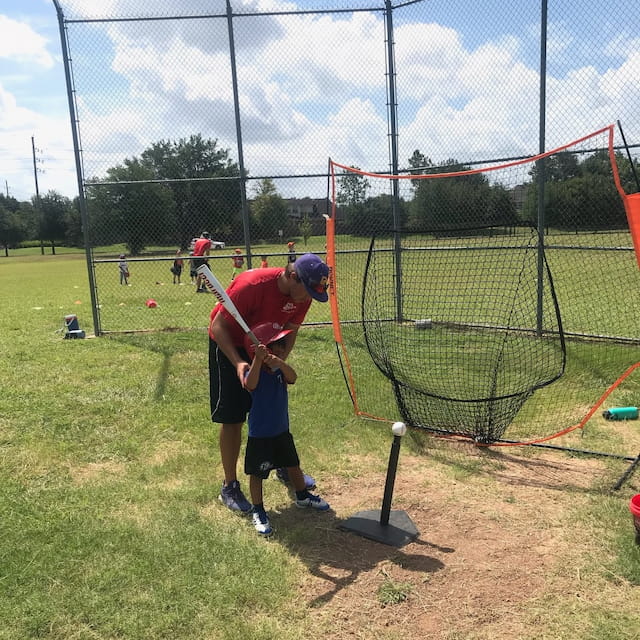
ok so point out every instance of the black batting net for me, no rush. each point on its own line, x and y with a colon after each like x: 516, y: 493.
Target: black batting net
x: 465, y: 331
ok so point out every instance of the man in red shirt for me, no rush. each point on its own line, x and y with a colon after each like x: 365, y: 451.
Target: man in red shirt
x: 201, y: 249
x: 276, y: 295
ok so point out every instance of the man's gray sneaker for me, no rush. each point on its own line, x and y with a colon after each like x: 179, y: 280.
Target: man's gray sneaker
x: 232, y: 497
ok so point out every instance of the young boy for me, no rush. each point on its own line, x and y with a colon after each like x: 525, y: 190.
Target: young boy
x: 238, y: 261
x: 270, y: 444
x: 192, y: 268
x: 123, y: 268
x: 176, y: 269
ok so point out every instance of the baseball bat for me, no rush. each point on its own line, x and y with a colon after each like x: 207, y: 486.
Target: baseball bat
x: 213, y: 284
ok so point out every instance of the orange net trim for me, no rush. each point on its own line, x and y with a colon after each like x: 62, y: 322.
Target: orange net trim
x: 632, y: 208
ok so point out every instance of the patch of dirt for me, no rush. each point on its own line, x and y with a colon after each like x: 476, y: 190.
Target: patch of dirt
x: 95, y: 470
x: 494, y: 529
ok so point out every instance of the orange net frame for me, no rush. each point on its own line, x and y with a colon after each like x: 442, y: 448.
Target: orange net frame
x: 349, y: 256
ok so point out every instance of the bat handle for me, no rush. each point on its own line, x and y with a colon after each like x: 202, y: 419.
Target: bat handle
x: 253, y: 338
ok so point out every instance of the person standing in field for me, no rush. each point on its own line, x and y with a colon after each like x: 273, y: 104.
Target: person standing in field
x: 201, y: 250
x: 264, y: 263
x: 192, y: 268
x: 291, y: 246
x: 270, y: 444
x: 123, y: 268
x: 282, y: 297
x: 238, y: 263
x: 176, y: 269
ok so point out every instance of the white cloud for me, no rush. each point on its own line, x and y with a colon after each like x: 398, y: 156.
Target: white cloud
x: 622, y: 46
x: 559, y: 40
x: 313, y: 86
x: 52, y: 136
x: 20, y: 43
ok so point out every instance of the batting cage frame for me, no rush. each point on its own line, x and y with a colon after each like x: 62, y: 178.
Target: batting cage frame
x: 463, y: 321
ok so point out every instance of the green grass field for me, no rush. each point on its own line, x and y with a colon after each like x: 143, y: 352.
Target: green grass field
x: 109, y: 472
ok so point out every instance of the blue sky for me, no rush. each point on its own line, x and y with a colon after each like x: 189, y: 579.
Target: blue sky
x: 33, y: 100
x: 312, y: 86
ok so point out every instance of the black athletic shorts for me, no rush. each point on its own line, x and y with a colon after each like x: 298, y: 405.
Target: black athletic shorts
x: 230, y: 401
x: 198, y: 262
x: 264, y: 454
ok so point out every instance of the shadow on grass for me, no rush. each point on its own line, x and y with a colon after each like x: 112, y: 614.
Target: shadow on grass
x: 338, y: 558
x: 167, y: 344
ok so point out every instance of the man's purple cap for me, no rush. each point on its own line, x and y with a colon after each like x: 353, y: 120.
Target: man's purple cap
x: 314, y: 275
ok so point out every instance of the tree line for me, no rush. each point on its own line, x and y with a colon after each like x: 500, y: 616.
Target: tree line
x: 49, y: 220
x: 176, y: 189
x: 166, y: 196
x: 579, y: 195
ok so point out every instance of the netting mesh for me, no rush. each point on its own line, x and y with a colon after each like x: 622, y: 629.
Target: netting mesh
x: 440, y: 82
x: 463, y: 296
x: 462, y: 359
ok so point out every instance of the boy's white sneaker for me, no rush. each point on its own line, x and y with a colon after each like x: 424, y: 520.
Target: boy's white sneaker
x: 261, y: 523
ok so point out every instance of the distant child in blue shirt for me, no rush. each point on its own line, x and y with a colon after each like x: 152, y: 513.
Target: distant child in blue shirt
x: 270, y: 444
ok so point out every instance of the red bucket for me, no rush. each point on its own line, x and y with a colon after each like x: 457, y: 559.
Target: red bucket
x: 634, y: 507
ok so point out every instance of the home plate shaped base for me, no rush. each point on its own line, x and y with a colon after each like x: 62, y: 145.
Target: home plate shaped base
x: 399, y: 531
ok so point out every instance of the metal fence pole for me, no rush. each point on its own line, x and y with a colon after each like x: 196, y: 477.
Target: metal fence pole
x: 236, y: 106
x: 76, y: 152
x: 393, y: 148
x: 541, y: 163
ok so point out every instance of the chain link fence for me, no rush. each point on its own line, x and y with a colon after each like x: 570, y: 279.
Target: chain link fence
x: 221, y: 116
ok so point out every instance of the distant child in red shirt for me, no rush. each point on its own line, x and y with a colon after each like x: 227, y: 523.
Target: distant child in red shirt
x: 201, y: 250
x: 292, y: 251
x: 238, y: 263
x: 264, y: 264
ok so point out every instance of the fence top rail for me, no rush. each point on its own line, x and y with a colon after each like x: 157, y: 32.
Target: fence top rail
x: 233, y: 12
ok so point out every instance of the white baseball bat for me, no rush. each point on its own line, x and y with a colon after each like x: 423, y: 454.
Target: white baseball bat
x: 213, y: 284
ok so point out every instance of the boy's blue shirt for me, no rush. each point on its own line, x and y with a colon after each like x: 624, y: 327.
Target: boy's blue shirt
x: 269, y: 413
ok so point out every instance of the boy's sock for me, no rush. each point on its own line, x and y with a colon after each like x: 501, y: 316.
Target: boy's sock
x: 259, y: 507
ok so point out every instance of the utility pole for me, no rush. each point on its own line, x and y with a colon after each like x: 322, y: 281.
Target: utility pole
x: 38, y: 208
x: 6, y: 184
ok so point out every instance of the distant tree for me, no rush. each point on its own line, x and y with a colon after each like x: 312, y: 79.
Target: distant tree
x: 9, y: 203
x: 208, y: 193
x: 352, y: 188
x: 376, y: 216
x: 502, y: 207
x: 30, y: 218
x: 558, y: 167
x: 128, y: 208
x: 420, y: 164
x: 352, y: 194
x: 305, y: 228
x: 171, y: 193
x: 456, y: 202
x: 53, y: 210
x: 268, y: 210
x: 580, y: 194
x: 12, y: 229
x: 74, y: 235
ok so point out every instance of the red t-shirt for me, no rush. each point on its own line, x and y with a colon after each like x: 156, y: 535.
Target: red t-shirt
x: 258, y: 299
x: 201, y: 246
